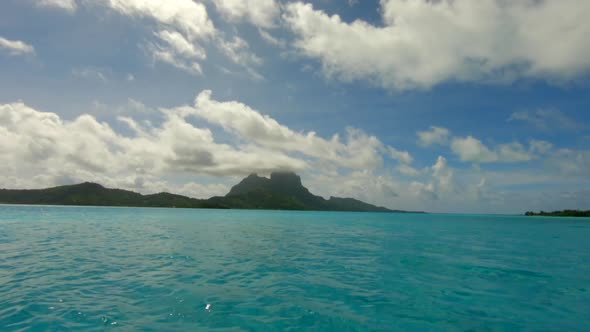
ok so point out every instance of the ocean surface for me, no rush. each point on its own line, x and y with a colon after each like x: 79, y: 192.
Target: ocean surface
x: 142, y: 269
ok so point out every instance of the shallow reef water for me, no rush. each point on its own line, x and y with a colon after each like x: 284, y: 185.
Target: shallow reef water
x: 142, y: 269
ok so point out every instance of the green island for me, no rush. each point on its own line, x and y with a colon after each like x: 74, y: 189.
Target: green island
x: 282, y: 191
x: 564, y: 213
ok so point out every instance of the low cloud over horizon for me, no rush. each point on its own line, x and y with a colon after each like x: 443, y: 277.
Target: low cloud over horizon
x: 42, y: 149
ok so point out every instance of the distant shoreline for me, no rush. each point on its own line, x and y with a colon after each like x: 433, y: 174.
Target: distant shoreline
x: 282, y: 191
x: 563, y: 213
x: 204, y: 208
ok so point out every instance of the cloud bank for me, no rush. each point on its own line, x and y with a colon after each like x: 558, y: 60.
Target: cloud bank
x: 40, y: 149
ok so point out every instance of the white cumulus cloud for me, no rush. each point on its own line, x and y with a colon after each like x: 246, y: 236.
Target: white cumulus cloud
x: 470, y: 149
x: 182, y: 27
x: 423, y: 43
x: 237, y: 50
x: 358, y: 151
x: 435, y: 135
x: 34, y: 142
x: 66, y: 5
x: 402, y: 156
x: 176, y: 50
x: 405, y: 160
x: 40, y: 148
x: 16, y: 47
x: 262, y: 13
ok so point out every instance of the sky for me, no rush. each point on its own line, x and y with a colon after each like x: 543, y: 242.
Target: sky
x: 452, y: 106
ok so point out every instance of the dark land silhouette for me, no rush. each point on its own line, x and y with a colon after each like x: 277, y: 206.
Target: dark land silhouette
x: 282, y: 191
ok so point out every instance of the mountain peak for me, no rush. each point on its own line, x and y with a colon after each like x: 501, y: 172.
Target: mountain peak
x: 286, y: 178
x: 285, y: 190
x: 283, y: 182
x: 89, y: 185
x: 248, y: 184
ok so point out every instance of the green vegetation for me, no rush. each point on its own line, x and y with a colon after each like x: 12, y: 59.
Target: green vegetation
x: 564, y: 213
x: 94, y: 195
x: 283, y: 191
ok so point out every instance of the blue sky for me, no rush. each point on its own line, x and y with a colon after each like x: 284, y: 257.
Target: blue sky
x: 448, y: 106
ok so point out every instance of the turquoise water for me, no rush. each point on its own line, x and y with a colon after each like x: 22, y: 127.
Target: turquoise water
x: 132, y: 269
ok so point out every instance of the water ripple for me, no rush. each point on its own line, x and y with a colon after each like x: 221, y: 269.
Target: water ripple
x: 97, y: 269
